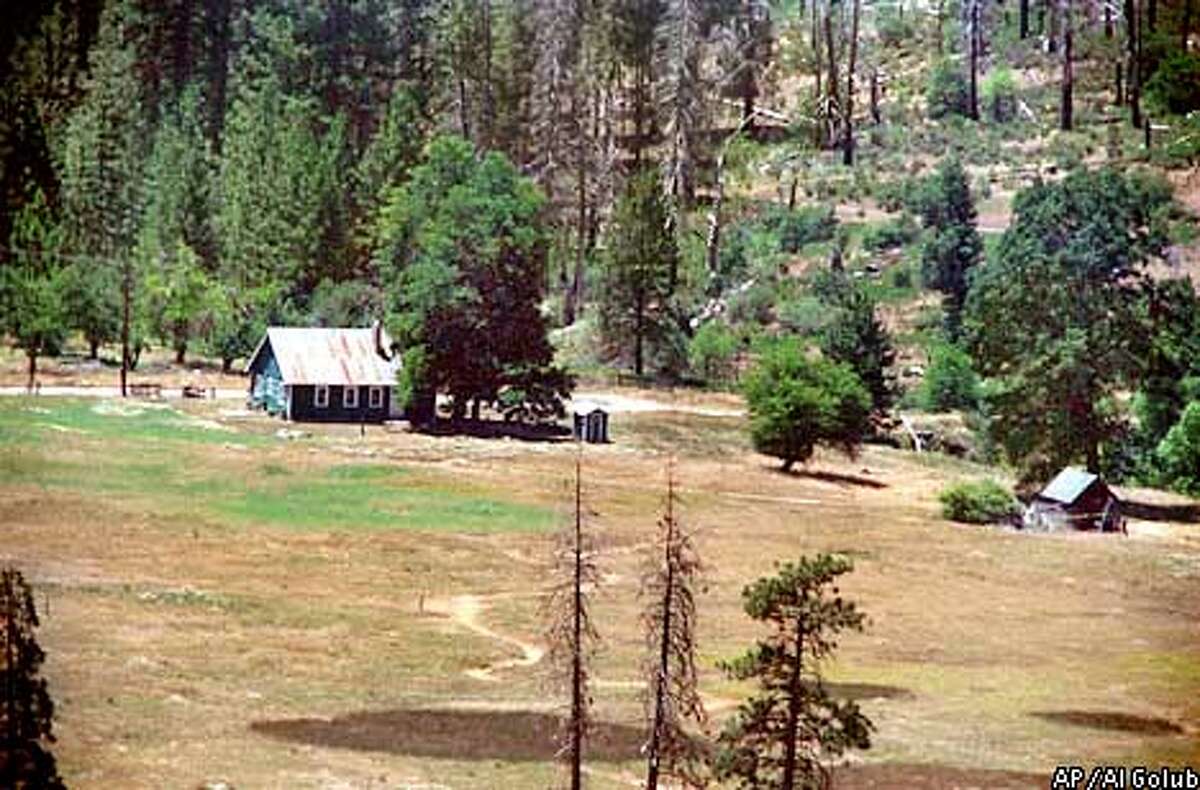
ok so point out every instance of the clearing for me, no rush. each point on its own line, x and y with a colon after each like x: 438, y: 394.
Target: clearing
x: 222, y: 602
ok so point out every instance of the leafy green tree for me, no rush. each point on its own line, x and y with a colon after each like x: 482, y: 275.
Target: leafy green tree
x: 950, y: 381
x: 1172, y: 363
x: 952, y: 246
x: 1061, y: 345
x: 797, y: 402
x: 26, y: 710
x: 1178, y: 454
x: 636, y: 279
x: 31, y: 285
x: 462, y: 250
x: 780, y: 738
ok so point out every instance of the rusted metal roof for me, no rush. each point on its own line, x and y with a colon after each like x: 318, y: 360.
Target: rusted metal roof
x: 330, y: 356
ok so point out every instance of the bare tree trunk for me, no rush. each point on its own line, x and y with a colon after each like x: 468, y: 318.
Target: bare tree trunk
x: 1066, y: 107
x: 1119, y: 99
x: 126, y: 288
x: 639, y: 330
x: 973, y: 46
x: 578, y: 691
x: 832, y: 74
x: 1185, y: 28
x: 875, y: 115
x: 29, y: 385
x: 815, y: 43
x: 1108, y: 21
x: 1023, y: 17
x: 848, y: 116
x: 1134, y: 90
x: 660, y: 689
x: 1151, y: 15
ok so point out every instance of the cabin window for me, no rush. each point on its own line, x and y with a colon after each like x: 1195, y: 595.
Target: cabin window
x: 376, y: 396
x: 322, y: 397
x: 351, y: 397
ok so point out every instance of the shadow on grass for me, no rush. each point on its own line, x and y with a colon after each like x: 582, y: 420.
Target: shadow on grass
x: 1108, y: 720
x: 498, y: 429
x: 858, y: 692
x: 930, y: 776
x: 1144, y: 510
x: 832, y: 477
x: 519, y: 736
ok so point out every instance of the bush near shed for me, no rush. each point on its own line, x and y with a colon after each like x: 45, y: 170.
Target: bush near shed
x: 978, y: 502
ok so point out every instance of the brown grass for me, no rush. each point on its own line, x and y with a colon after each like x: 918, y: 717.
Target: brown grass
x: 183, y: 648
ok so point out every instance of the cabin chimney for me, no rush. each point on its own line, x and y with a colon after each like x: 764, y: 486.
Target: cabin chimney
x: 377, y: 338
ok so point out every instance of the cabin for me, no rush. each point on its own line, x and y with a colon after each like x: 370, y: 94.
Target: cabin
x: 1075, y: 499
x: 590, y: 423
x: 325, y: 375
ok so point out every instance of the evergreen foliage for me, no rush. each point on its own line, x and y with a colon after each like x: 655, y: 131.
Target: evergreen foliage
x: 26, y: 710
x: 783, y: 737
x: 952, y: 246
x: 637, y: 314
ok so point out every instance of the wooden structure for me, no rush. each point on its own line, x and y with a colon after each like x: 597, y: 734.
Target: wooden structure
x: 325, y: 375
x: 1075, y: 499
x: 590, y: 423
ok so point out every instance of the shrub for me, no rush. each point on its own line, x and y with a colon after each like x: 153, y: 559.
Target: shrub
x: 894, y: 233
x: 947, y: 91
x: 1000, y: 95
x: 800, y: 227
x: 894, y: 29
x: 711, y: 352
x: 1178, y: 453
x: 1175, y: 86
x: 950, y: 382
x: 978, y: 502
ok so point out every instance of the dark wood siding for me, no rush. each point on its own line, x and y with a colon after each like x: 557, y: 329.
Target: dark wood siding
x: 304, y: 408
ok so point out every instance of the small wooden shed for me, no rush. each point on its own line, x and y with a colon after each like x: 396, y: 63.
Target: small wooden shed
x: 1075, y: 499
x: 590, y: 423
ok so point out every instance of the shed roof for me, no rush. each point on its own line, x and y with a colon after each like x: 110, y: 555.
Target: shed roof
x: 334, y: 356
x: 586, y: 407
x: 1068, y: 485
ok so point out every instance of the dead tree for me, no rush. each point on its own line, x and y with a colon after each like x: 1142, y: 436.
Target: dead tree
x: 1066, y: 107
x: 672, y: 698
x: 571, y: 635
x: 848, y: 112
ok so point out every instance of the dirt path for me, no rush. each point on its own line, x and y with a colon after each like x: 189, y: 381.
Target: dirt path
x: 465, y: 611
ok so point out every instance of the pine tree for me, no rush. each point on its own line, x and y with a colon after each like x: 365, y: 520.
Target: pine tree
x: 636, y: 296
x: 856, y: 337
x: 571, y: 635
x: 672, y: 698
x: 26, y: 710
x: 102, y: 176
x: 176, y: 246
x: 32, y: 309
x: 952, y: 246
x: 782, y: 737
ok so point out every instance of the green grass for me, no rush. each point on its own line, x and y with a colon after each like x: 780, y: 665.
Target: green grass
x: 32, y: 420
x: 162, y: 459
x: 372, y: 497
